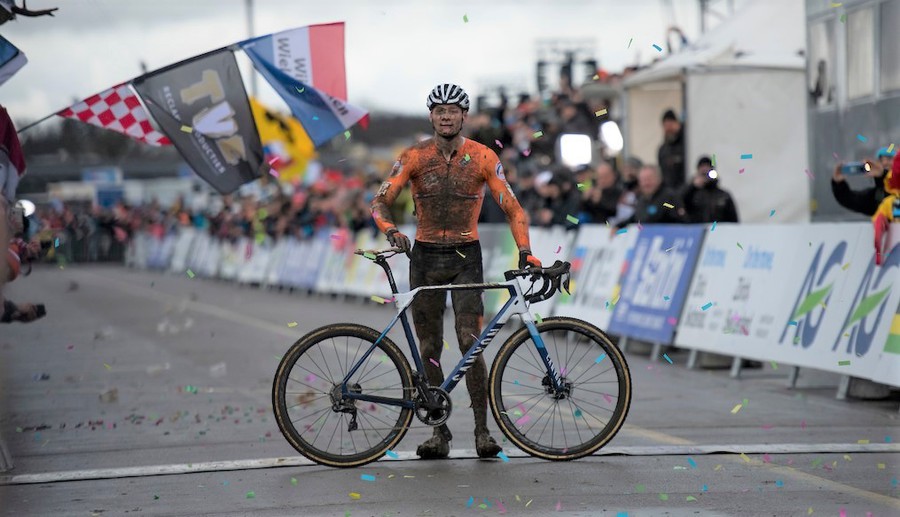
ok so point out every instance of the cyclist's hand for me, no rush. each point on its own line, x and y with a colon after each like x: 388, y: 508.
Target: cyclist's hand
x: 398, y: 240
x: 526, y: 259
x: 838, y: 176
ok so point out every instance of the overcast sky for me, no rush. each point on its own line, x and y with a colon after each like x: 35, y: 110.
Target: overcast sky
x: 396, y: 50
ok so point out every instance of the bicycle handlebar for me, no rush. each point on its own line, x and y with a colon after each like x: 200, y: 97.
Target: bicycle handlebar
x: 551, y: 277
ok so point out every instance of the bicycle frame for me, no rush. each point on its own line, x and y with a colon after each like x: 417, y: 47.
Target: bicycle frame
x: 515, y: 305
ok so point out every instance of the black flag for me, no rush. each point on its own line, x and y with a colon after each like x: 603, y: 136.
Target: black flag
x: 201, y: 105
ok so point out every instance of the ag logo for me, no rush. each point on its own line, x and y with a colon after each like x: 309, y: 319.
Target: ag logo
x: 871, y: 297
x: 815, y: 292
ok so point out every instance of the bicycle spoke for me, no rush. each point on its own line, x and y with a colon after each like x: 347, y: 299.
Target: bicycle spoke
x: 595, y: 376
x: 590, y: 404
x: 575, y: 420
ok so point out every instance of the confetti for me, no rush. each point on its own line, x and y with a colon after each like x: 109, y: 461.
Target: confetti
x: 367, y: 477
x: 573, y: 220
x: 739, y: 246
x: 502, y: 455
x: 809, y: 174
x: 392, y: 454
x: 526, y: 152
x: 190, y: 273
x: 666, y: 357
x: 692, y: 463
x: 187, y: 129
x: 767, y: 458
x: 600, y: 358
x: 621, y: 231
x: 845, y: 266
x: 745, y: 457
x: 471, y: 502
x: 736, y: 409
x: 706, y: 307
x: 772, y: 213
x: 557, y: 249
x: 881, y: 466
x: 657, y: 47
x: 862, y: 138
x: 809, y: 511
x: 465, y: 18
x: 501, y: 199
x: 581, y: 186
x: 56, y: 243
x: 498, y: 144
x: 779, y: 483
x: 663, y: 497
x: 891, y: 148
x: 538, y: 134
x: 666, y: 298
x: 713, y: 227
x: 292, y: 324
x: 704, y: 488
x: 538, y: 318
x: 300, y: 90
x: 843, y: 363
x: 774, y: 365
x: 667, y: 205
x: 600, y: 113
x: 843, y: 18
x: 434, y: 362
x: 460, y: 254
x: 354, y: 495
x: 836, y: 4
x: 251, y: 495
x: 746, y: 157
x: 629, y: 46
x: 740, y: 171
x: 294, y: 481
x: 803, y: 424
x: 108, y: 367
x: 558, y: 505
x: 690, y: 498
x: 793, y: 322
x: 369, y: 255
x: 467, y: 157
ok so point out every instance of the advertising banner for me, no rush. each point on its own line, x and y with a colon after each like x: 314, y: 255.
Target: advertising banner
x: 597, y: 268
x: 805, y: 295
x: 656, y: 282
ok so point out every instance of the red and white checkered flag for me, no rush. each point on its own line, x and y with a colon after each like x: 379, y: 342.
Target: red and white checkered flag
x: 119, y: 109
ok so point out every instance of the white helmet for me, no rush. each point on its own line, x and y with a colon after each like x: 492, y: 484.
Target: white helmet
x: 448, y: 94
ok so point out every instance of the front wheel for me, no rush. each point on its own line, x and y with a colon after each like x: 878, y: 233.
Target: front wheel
x: 313, y: 415
x: 580, y: 419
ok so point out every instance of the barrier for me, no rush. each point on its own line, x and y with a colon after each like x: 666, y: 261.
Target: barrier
x: 803, y: 295
x: 655, y: 284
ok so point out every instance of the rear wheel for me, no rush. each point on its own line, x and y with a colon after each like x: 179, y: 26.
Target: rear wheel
x: 576, y: 421
x: 309, y: 408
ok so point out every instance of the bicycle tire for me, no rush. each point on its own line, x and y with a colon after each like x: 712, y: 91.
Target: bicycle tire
x: 502, y: 414
x: 305, y: 345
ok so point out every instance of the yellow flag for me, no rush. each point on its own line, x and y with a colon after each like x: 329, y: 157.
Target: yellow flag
x: 287, y: 146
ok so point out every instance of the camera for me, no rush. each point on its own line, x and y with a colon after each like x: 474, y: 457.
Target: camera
x: 855, y: 168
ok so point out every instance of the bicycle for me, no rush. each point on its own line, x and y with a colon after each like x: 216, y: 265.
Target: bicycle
x: 381, y: 391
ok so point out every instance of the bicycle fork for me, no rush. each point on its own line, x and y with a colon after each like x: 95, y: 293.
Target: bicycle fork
x: 553, y: 383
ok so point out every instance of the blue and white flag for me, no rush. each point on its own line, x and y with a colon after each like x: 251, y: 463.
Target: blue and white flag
x: 11, y: 60
x: 323, y: 116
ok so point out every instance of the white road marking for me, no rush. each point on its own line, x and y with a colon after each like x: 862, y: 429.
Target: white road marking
x: 265, y: 463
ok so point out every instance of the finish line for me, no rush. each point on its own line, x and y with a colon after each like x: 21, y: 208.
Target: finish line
x: 455, y: 454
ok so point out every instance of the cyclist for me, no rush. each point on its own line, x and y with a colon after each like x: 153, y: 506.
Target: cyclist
x: 447, y: 174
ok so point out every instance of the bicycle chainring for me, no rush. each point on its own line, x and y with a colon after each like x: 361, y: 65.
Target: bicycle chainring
x: 434, y: 416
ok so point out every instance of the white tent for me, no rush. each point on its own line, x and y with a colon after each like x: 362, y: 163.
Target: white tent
x: 742, y: 90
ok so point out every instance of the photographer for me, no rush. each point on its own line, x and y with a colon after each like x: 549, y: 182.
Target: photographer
x: 863, y: 201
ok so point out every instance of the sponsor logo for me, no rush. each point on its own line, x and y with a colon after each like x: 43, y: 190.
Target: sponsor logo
x: 869, y: 304
x: 477, y: 352
x: 714, y: 258
x: 812, y: 299
x: 758, y: 259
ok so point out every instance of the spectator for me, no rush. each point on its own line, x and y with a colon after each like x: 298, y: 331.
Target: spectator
x: 864, y: 201
x: 601, y: 202
x: 559, y: 198
x: 703, y: 200
x: 652, y: 195
x: 629, y: 182
x: 671, y: 152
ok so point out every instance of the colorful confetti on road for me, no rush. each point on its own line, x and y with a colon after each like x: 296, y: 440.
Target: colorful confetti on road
x: 367, y: 477
x: 502, y: 455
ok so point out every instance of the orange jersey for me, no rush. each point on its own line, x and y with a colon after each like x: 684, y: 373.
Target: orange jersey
x: 448, y: 194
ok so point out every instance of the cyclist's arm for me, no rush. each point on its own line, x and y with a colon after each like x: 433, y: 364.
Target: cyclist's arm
x: 388, y: 192
x: 503, y: 195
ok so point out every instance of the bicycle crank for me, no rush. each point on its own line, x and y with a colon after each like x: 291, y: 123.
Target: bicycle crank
x: 436, y: 412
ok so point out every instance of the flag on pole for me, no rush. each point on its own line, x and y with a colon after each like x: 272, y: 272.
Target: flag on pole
x: 11, y: 60
x: 118, y: 109
x: 286, y: 145
x: 313, y: 55
x: 201, y: 105
x: 323, y: 116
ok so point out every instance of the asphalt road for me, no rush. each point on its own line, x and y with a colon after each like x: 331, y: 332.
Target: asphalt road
x: 149, y: 393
